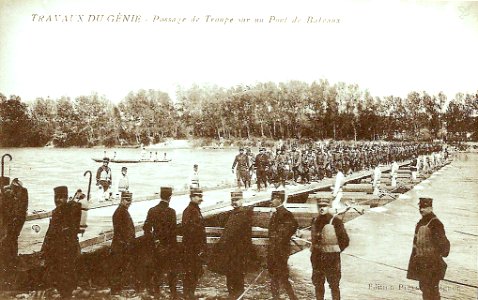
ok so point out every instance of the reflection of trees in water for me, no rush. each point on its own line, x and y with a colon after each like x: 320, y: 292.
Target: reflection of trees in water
x: 293, y: 109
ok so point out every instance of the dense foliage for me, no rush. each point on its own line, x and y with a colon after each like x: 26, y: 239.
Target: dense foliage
x: 291, y: 109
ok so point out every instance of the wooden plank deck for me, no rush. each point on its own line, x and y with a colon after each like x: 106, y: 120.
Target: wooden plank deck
x: 374, y: 265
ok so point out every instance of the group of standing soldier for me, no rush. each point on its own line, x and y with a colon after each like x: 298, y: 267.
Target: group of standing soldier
x: 307, y: 164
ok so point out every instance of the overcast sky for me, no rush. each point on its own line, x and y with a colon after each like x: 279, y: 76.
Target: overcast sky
x: 388, y: 47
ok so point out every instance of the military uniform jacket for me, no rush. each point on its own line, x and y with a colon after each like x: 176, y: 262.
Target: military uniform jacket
x: 194, y: 230
x: 233, y: 251
x: 61, y: 239
x: 431, y: 267
x: 262, y: 162
x: 318, y: 224
x: 124, y: 232
x: 160, y: 225
x: 282, y: 226
x: 242, y: 162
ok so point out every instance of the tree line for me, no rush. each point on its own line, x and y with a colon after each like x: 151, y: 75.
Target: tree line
x: 287, y: 110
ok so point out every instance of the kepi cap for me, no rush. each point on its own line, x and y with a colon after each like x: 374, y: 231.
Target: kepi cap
x: 166, y: 192
x: 425, y: 202
x: 323, y: 202
x: 61, y: 191
x: 195, y: 191
x: 278, y: 195
x: 235, y: 196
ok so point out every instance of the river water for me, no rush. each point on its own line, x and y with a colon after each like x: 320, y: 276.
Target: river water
x: 42, y: 169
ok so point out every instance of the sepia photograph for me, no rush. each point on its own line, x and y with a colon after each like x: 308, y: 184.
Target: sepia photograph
x: 238, y: 149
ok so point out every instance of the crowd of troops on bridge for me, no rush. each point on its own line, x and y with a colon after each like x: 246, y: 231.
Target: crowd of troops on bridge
x: 316, y: 163
x: 142, y: 262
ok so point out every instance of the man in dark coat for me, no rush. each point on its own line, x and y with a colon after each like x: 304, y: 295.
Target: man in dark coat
x: 194, y: 241
x: 329, y: 238
x: 14, y: 210
x: 262, y: 166
x: 282, y: 226
x: 160, y: 229
x: 61, y: 247
x: 122, y: 245
x: 430, y: 245
x: 104, y: 178
x: 242, y: 170
x: 232, y: 253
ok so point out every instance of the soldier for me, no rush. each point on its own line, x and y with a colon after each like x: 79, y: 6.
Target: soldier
x: 4, y: 259
x: 160, y: 229
x: 295, y: 160
x: 242, y: 171
x: 329, y: 238
x: 281, y: 161
x: 122, y: 245
x: 430, y: 245
x: 15, y: 206
x: 262, y: 166
x: 230, y: 255
x: 61, y: 247
x: 194, y: 242
x: 282, y: 226
x: 104, y: 178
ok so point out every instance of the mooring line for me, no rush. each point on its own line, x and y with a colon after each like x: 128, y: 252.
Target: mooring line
x: 251, y: 285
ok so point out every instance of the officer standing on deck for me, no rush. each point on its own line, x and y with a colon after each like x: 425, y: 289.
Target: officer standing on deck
x: 61, y: 247
x: 430, y: 245
x: 282, y: 226
x: 194, y: 241
x: 160, y: 228
x: 329, y: 238
x: 230, y: 255
x: 122, y: 244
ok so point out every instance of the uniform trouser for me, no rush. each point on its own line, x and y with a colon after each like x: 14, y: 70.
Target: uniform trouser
x: 192, y: 272
x: 279, y: 273
x: 8, y: 256
x: 281, y: 176
x: 61, y: 273
x: 120, y: 269
x: 326, y: 266
x: 296, y: 172
x: 261, y: 175
x: 430, y: 289
x: 165, y: 262
x: 235, y: 284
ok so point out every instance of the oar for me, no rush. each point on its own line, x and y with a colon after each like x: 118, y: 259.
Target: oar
x: 89, y: 184
x: 3, y: 166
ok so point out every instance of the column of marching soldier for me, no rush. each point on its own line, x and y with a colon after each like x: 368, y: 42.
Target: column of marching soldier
x: 232, y: 256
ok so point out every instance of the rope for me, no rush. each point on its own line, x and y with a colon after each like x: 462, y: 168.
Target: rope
x: 251, y: 285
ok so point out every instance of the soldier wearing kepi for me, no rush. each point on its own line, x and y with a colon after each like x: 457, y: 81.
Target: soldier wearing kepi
x: 242, y: 170
x: 430, y: 245
x: 61, y: 247
x: 122, y: 245
x: 160, y: 228
x: 194, y: 241
x: 262, y: 166
x: 329, y: 238
x: 282, y: 226
x: 232, y: 253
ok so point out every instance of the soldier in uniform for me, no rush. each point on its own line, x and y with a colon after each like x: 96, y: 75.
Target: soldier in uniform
x: 329, y: 238
x: 4, y: 260
x: 295, y: 160
x: 194, y: 241
x: 242, y: 171
x: 430, y: 245
x: 61, y: 247
x: 262, y: 166
x: 122, y: 246
x: 160, y: 229
x: 104, y: 178
x: 14, y: 210
x: 232, y: 253
x: 282, y: 226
